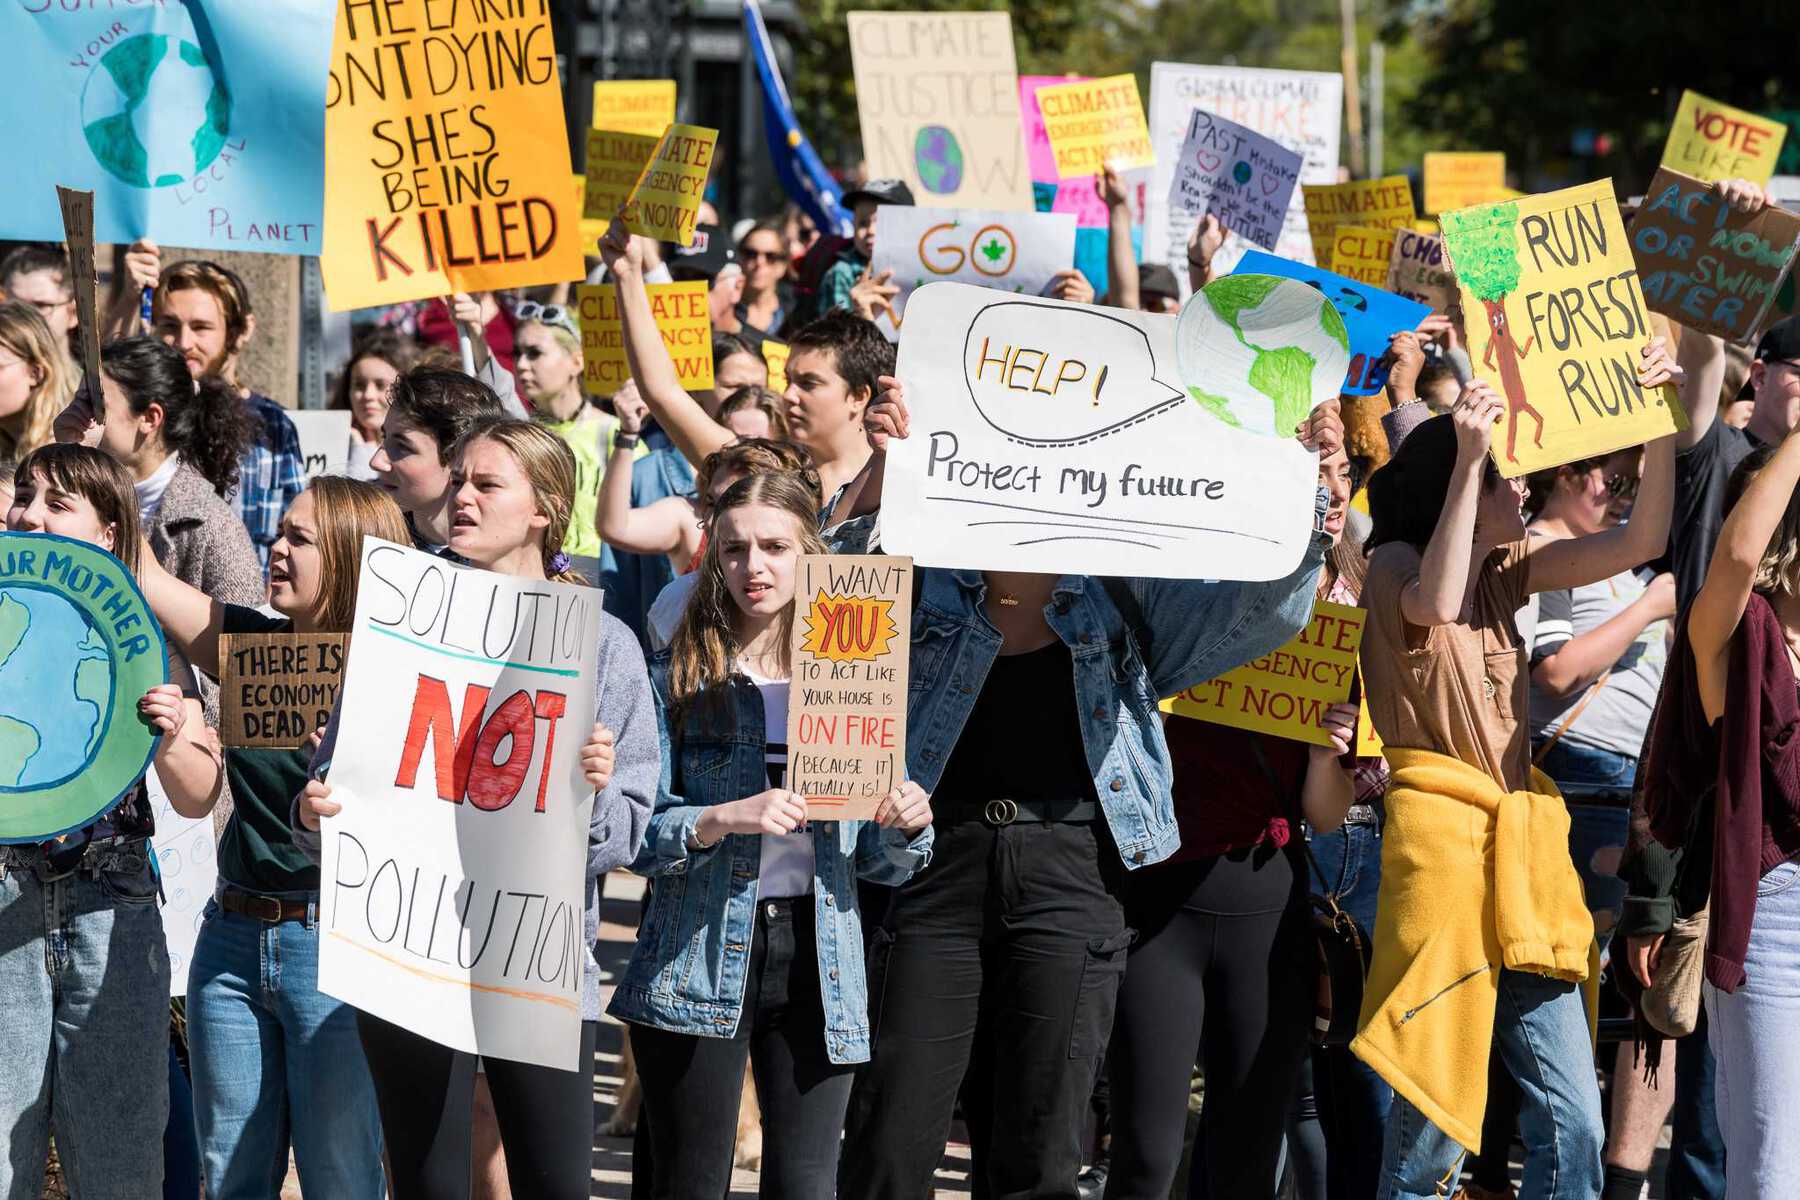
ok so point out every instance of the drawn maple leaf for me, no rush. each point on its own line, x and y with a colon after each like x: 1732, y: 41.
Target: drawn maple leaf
x: 993, y: 250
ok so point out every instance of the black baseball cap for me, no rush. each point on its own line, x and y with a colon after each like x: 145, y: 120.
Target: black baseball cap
x: 881, y: 191
x: 704, y: 259
x: 1155, y: 279
x: 1781, y: 342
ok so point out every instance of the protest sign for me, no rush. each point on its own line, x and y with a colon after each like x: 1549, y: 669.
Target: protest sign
x: 1302, y: 110
x: 846, y: 729
x: 199, y: 124
x: 1237, y: 175
x: 1417, y: 270
x: 775, y: 357
x: 78, y: 233
x: 1362, y: 253
x: 1077, y: 196
x: 1705, y: 264
x: 1285, y: 692
x: 1057, y: 437
x: 1460, y: 180
x: 1556, y: 322
x: 641, y: 106
x: 1095, y: 123
x: 324, y: 440
x: 1368, y: 742
x: 1009, y: 251
x: 664, y: 203
x: 277, y: 687
x: 952, y: 132
x: 187, y: 868
x: 1376, y: 203
x: 78, y: 649
x: 454, y: 880
x: 682, y: 317
x: 1371, y: 315
x: 448, y: 156
x: 1713, y: 141
x: 615, y: 161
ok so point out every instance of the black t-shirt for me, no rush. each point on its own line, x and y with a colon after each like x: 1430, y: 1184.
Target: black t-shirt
x: 1701, y: 473
x: 1023, y: 738
x: 257, y: 852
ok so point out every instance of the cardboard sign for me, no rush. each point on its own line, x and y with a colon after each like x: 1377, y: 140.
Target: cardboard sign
x: 454, y: 881
x: 615, y: 162
x: 78, y: 233
x: 277, y: 687
x: 78, y: 649
x: 1076, y: 196
x: 641, y: 106
x: 200, y: 124
x: 1371, y: 315
x: 1713, y: 141
x: 1707, y: 265
x: 1418, y: 270
x: 1557, y: 323
x: 1285, y: 693
x: 682, y: 317
x: 1302, y: 110
x: 448, y: 158
x: 1058, y: 437
x: 1095, y: 123
x: 1375, y: 203
x: 846, y: 729
x: 1460, y: 180
x: 665, y: 201
x: 187, y: 867
x: 775, y: 357
x: 1237, y: 175
x: 1008, y: 251
x: 1362, y: 253
x: 324, y: 440
x: 952, y: 131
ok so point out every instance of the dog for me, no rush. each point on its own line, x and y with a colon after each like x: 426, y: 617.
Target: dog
x: 746, y: 1147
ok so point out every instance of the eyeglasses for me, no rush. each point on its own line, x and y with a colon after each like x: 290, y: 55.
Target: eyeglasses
x: 548, y: 314
x: 1622, y: 487
x: 773, y: 256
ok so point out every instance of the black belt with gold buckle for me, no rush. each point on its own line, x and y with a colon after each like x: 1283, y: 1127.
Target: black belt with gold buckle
x: 1002, y: 812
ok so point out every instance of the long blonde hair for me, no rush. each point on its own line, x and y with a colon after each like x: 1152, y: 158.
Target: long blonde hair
x: 705, y: 644
x: 550, y: 466
x: 345, y: 511
x: 24, y: 332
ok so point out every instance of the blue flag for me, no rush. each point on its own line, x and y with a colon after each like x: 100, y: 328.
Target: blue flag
x: 802, y: 174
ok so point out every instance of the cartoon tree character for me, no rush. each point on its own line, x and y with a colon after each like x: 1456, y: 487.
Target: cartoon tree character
x: 1486, y: 258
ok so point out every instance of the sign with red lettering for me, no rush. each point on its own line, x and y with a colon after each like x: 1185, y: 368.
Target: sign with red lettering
x: 1286, y: 691
x: 665, y: 202
x: 447, y: 153
x: 682, y: 317
x: 454, y: 880
x: 1713, y: 141
x: 847, y: 702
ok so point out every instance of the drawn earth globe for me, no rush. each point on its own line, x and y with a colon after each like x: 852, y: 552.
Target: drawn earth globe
x: 939, y: 159
x: 153, y: 113
x: 56, y: 681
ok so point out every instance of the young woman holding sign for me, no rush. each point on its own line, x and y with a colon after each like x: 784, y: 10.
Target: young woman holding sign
x: 512, y: 493
x: 752, y: 946
x: 85, y: 976
x: 1508, y: 948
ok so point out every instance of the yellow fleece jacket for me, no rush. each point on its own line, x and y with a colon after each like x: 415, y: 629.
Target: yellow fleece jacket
x: 1473, y: 879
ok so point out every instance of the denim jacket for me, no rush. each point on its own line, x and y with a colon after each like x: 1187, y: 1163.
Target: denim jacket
x: 1197, y: 630
x: 688, y: 969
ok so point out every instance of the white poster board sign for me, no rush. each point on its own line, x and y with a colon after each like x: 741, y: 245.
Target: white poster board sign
x: 1237, y: 175
x: 453, y: 884
x: 187, y: 863
x: 1059, y: 438
x: 1301, y: 110
x: 1009, y: 251
x: 324, y: 440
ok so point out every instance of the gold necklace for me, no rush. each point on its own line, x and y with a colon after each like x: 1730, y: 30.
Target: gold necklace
x: 1006, y: 601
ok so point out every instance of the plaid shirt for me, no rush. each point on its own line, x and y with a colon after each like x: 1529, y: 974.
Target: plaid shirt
x: 270, y: 475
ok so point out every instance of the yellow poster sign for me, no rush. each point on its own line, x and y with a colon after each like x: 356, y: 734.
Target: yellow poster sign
x: 1285, y: 692
x: 591, y: 231
x: 1368, y: 742
x: 1713, y: 141
x: 1375, y: 203
x: 446, y: 151
x: 1362, y: 253
x: 775, y: 354
x: 682, y: 317
x: 1095, y: 123
x: 1557, y: 323
x: 665, y: 201
x: 615, y: 161
x: 644, y: 106
x: 1460, y: 180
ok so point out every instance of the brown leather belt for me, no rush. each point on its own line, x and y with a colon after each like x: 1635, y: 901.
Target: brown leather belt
x: 271, y: 910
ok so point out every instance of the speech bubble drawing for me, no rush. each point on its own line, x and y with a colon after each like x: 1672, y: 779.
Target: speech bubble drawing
x: 1257, y: 352
x: 1046, y: 373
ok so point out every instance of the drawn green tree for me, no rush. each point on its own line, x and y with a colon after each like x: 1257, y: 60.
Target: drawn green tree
x: 1484, y: 248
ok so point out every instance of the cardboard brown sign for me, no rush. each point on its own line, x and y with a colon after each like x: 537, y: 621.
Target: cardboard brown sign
x: 78, y: 231
x: 277, y: 687
x: 1418, y: 270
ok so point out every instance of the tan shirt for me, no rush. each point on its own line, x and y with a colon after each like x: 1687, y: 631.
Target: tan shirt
x: 1459, y: 689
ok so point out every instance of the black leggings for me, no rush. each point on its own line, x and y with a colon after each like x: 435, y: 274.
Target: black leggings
x: 426, y: 1093
x: 1220, y: 972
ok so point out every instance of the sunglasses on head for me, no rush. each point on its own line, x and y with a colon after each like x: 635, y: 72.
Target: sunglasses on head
x: 548, y: 314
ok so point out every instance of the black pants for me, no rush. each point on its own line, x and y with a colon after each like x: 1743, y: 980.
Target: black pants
x: 426, y: 1092
x: 692, y: 1084
x: 1019, y: 932
x: 1221, y: 972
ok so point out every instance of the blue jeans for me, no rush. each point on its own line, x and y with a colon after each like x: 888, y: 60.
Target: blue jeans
x: 1352, y: 1100
x: 1596, y: 830
x: 84, y: 1029
x: 275, y: 1060
x: 1752, y: 1033
x: 1541, y: 1031
x: 1696, y: 1146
